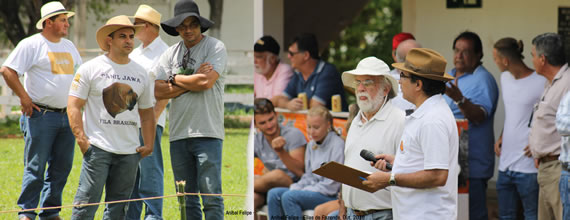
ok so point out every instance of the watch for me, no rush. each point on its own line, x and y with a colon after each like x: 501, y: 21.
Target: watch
x: 461, y: 101
x: 171, y: 79
x: 392, y: 179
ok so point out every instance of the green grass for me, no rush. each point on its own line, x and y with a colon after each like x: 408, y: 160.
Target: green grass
x: 234, y: 175
x: 238, y: 88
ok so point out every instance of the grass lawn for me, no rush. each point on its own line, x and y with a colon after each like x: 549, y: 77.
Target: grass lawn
x: 234, y: 175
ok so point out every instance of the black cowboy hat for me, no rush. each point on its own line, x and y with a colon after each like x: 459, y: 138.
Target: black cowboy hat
x: 182, y: 10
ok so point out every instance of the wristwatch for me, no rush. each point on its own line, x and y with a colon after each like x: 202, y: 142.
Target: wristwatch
x: 171, y: 79
x: 392, y: 179
x: 461, y: 101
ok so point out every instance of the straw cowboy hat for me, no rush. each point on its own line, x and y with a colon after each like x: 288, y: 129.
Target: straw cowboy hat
x: 371, y: 66
x: 182, y: 10
x: 113, y: 24
x: 148, y: 13
x: 51, y: 9
x: 426, y: 63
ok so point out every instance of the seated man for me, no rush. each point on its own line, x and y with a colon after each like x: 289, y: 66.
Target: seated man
x: 271, y: 75
x: 316, y: 78
x: 280, y: 148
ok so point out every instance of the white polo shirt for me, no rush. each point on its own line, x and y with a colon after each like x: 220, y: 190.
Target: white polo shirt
x: 379, y: 135
x: 429, y: 141
x: 148, y: 58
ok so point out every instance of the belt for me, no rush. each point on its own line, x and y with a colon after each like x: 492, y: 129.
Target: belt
x: 367, y: 212
x: 548, y: 158
x: 50, y: 109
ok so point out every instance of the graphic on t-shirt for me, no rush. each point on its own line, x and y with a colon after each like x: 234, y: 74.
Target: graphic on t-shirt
x: 118, y: 98
x: 61, y: 63
x: 188, y: 70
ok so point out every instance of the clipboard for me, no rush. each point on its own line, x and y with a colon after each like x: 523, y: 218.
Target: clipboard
x: 343, y: 174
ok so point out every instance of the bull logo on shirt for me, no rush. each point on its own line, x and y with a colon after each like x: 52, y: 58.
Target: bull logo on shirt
x: 118, y: 98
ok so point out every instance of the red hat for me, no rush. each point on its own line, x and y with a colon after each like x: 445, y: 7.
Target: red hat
x: 398, y: 38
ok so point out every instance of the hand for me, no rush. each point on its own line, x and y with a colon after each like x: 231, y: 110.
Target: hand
x: 381, y: 163
x: 453, y: 91
x: 498, y: 146
x: 536, y: 163
x: 28, y: 106
x: 205, y: 68
x: 84, y: 144
x: 278, y: 143
x: 145, y: 151
x: 527, y: 151
x: 295, y: 104
x: 377, y: 180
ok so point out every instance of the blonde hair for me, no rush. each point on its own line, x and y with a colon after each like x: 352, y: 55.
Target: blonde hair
x: 323, y: 112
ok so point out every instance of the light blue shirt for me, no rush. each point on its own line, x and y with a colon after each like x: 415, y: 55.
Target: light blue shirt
x: 563, y: 127
x: 481, y: 89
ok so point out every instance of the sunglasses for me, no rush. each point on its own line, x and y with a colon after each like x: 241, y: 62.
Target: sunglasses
x: 291, y: 53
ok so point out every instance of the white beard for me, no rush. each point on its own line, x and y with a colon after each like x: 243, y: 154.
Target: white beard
x: 369, y: 105
x: 263, y: 71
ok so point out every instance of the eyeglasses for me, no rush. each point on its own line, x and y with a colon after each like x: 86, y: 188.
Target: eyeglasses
x: 402, y: 75
x: 193, y: 25
x: 366, y: 83
x: 291, y: 53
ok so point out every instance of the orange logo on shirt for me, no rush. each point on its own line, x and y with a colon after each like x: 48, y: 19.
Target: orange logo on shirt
x: 61, y: 63
x: 401, y: 145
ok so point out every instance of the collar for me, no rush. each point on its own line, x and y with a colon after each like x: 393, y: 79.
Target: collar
x: 318, y: 69
x: 325, y: 141
x: 453, y: 71
x: 381, y: 115
x: 426, y: 106
x: 558, y: 75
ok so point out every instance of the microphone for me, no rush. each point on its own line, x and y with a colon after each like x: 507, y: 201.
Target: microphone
x: 369, y: 156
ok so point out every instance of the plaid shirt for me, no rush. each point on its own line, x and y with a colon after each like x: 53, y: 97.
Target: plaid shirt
x: 563, y: 127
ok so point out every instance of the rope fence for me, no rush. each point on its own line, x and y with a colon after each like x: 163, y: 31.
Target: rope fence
x: 121, y: 201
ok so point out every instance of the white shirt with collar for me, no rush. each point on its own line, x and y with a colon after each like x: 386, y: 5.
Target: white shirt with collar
x: 148, y: 58
x: 430, y: 141
x: 381, y: 134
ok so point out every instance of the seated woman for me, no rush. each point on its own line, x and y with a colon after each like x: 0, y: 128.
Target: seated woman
x: 311, y: 190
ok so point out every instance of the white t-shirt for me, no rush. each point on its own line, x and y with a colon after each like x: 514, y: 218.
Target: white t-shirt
x: 148, y: 58
x: 47, y: 68
x: 114, y: 93
x: 399, y: 100
x: 430, y: 141
x: 379, y: 135
x: 519, y: 97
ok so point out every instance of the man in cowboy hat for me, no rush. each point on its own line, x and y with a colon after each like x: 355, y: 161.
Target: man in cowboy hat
x: 271, y: 75
x: 117, y: 95
x: 50, y: 60
x: 473, y: 95
x: 191, y: 73
x: 425, y: 169
x: 375, y: 88
x: 150, y: 174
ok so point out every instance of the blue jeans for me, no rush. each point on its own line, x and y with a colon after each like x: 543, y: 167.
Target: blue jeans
x: 149, y: 183
x: 198, y: 161
x: 565, y: 193
x: 478, y: 199
x: 381, y: 215
x: 514, y: 186
x: 115, y: 172
x: 48, y: 141
x: 283, y: 202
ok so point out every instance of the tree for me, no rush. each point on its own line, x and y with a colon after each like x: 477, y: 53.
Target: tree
x: 370, y: 34
x: 18, y: 17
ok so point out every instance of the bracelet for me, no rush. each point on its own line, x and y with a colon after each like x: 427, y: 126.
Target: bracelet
x: 463, y: 99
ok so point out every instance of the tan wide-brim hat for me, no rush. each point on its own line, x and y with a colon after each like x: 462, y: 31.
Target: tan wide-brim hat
x: 51, y: 9
x: 371, y: 66
x: 112, y: 25
x: 148, y: 13
x: 426, y: 63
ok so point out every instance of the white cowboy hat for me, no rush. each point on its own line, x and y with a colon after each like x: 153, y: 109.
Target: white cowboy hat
x: 371, y: 66
x: 112, y: 25
x: 149, y: 14
x: 51, y: 9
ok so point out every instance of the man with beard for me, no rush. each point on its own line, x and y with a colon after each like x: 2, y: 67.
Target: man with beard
x: 271, y: 75
x: 374, y: 87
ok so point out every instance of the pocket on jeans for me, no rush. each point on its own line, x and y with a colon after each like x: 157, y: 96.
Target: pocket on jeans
x: 88, y: 151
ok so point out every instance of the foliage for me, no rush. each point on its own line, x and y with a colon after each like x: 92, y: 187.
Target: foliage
x: 370, y: 34
x: 10, y: 126
x: 234, y: 175
x: 238, y: 89
x: 18, y: 18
